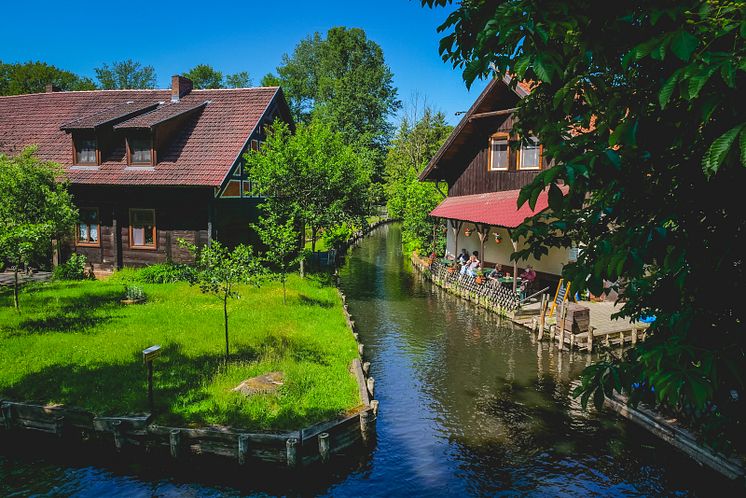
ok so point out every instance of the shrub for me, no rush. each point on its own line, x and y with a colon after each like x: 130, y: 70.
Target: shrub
x: 133, y: 292
x: 73, y: 269
x: 337, y: 235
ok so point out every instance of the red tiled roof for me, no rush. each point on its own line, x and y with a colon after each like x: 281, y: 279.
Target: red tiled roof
x: 494, y: 208
x: 163, y: 113
x: 112, y: 114
x: 200, y: 154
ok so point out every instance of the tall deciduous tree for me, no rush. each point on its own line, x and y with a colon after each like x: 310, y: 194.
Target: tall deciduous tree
x: 205, y: 76
x: 641, y: 108
x: 312, y: 176
x: 34, y: 209
x: 33, y: 77
x: 125, y: 75
x: 343, y: 79
x: 421, y: 132
x: 238, y: 80
x: 220, y: 271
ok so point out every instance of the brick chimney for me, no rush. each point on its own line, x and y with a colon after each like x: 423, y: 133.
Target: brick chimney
x: 51, y: 88
x: 180, y: 86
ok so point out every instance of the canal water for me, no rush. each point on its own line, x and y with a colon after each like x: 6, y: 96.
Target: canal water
x: 470, y: 405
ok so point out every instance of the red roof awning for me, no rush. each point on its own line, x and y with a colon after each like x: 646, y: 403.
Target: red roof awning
x: 494, y: 208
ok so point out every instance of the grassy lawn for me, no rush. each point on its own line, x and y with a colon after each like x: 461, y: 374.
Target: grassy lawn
x: 74, y: 343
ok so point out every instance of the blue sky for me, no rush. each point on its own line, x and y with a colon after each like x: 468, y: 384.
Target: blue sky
x: 231, y: 36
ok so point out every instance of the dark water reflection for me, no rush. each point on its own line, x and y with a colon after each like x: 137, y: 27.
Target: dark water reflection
x: 470, y: 405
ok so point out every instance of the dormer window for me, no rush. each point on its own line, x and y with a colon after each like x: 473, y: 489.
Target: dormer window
x: 140, y: 150
x: 85, y: 150
x: 530, y: 155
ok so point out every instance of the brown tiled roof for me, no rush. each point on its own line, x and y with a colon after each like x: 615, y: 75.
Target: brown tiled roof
x: 116, y: 113
x: 163, y: 113
x: 200, y: 154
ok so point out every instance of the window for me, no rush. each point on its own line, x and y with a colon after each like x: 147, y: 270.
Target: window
x: 139, y: 150
x: 88, y: 227
x: 85, y: 150
x: 530, y: 156
x: 499, y: 156
x: 142, y: 228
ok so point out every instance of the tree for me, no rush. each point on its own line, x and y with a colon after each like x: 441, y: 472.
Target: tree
x: 125, y: 75
x: 344, y: 80
x: 238, y: 80
x: 33, y: 77
x: 421, y: 133
x: 34, y: 209
x: 312, y: 176
x: 642, y: 112
x: 220, y: 271
x: 281, y: 238
x: 205, y: 76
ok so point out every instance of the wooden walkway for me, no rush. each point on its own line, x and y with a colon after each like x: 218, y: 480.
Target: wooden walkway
x: 6, y: 278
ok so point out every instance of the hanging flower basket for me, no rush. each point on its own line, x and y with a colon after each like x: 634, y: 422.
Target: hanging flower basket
x: 468, y: 231
x: 498, y: 238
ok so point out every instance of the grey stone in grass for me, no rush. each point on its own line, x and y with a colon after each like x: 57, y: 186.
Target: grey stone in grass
x: 261, y: 384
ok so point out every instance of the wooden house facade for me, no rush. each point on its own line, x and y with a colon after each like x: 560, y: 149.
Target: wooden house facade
x: 148, y: 167
x: 483, y: 167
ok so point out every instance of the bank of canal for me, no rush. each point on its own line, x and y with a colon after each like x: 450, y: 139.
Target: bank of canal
x: 470, y: 405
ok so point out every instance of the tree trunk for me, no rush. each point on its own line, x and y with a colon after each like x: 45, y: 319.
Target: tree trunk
x: 314, y: 230
x: 15, y: 288
x: 225, y: 316
x: 284, y: 293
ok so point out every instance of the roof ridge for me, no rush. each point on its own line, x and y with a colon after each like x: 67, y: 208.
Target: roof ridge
x: 67, y: 92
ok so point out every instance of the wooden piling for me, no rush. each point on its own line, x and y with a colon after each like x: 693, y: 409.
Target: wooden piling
x: 374, y: 405
x: 7, y: 416
x: 243, y: 448
x: 366, y: 367
x: 360, y: 348
x: 371, y: 382
x: 324, y: 446
x: 542, y: 315
x: 291, y: 451
x: 116, y: 427
x: 367, y: 427
x: 174, y: 440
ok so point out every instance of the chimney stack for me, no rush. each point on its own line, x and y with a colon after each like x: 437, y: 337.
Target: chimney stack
x: 180, y: 86
x: 51, y: 87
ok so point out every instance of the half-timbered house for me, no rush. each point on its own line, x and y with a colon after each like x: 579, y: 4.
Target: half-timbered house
x: 483, y: 175
x: 148, y: 167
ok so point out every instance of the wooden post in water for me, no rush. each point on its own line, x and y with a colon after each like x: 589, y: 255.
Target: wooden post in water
x: 7, y: 415
x: 367, y: 427
x: 243, y: 448
x: 542, y: 314
x: 366, y: 367
x: 360, y: 348
x: 371, y: 384
x: 374, y: 405
x: 324, y: 446
x: 291, y: 450
x: 174, y: 439
x: 116, y: 427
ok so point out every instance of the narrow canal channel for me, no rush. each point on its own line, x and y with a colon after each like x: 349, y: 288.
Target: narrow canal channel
x: 470, y: 405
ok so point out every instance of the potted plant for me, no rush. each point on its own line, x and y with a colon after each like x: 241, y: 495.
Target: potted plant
x: 467, y: 231
x: 480, y: 276
x: 133, y: 294
x: 498, y: 238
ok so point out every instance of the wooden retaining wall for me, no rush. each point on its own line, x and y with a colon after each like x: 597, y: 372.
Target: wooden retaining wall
x: 291, y: 449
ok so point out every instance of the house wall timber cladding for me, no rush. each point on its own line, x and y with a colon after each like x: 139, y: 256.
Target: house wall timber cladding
x: 477, y: 178
x: 180, y: 213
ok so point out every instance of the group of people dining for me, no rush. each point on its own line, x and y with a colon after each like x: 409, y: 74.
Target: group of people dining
x: 470, y: 264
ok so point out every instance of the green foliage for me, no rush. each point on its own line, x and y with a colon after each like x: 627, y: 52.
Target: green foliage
x: 337, y: 235
x: 125, y: 74
x: 75, y: 268
x: 205, y: 76
x: 281, y: 238
x: 421, y: 133
x: 34, y: 208
x: 33, y: 77
x: 342, y: 79
x: 642, y: 112
x: 219, y: 270
x: 74, y: 343
x: 165, y: 273
x: 311, y: 176
x: 133, y: 292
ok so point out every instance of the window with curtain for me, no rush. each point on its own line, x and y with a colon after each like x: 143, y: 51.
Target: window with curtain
x: 88, y: 227
x: 499, y: 152
x: 530, y: 157
x: 140, y: 150
x: 85, y: 150
x: 142, y: 228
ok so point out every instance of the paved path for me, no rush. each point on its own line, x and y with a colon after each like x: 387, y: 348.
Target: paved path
x: 6, y: 278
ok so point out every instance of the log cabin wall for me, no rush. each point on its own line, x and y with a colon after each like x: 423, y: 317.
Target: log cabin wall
x: 180, y: 213
x: 477, y: 178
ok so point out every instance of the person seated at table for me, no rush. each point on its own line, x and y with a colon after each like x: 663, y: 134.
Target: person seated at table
x: 470, y: 268
x: 463, y: 258
x: 529, y: 274
x: 497, y: 273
